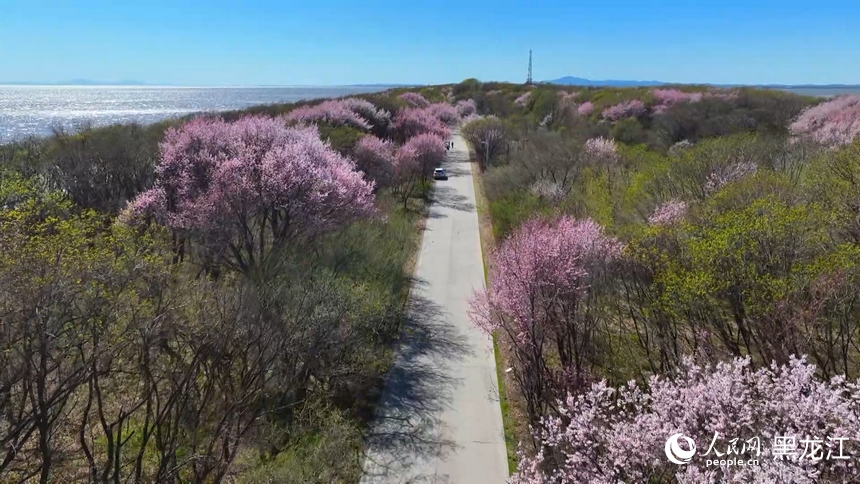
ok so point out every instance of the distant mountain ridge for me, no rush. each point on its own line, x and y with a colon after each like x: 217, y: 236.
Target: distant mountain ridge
x: 579, y: 81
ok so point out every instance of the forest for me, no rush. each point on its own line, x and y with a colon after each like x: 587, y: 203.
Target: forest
x: 211, y: 298
x: 215, y: 298
x: 681, y: 259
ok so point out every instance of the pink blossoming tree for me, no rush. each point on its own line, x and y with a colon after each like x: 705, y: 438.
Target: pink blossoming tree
x: 675, y: 96
x: 632, y: 108
x: 544, y: 282
x: 523, y: 99
x: 248, y: 188
x: 668, y: 213
x: 728, y: 174
x: 375, y: 158
x: 549, y: 190
x: 469, y: 118
x: 429, y: 152
x: 445, y: 113
x: 414, y: 121
x: 332, y: 112
x: 585, y: 108
x: 353, y: 112
x: 609, y: 435
x: 602, y: 151
x: 835, y: 122
x: 379, y: 119
x: 466, y: 107
x: 414, y: 99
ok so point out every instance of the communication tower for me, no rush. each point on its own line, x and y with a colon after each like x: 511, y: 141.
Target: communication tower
x: 529, y: 79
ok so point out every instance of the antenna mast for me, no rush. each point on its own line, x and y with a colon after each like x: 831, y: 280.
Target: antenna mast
x: 529, y: 79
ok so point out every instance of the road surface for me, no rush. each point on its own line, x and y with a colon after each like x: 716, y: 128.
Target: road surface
x: 439, y: 419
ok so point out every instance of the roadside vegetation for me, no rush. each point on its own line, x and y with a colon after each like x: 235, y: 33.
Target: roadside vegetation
x: 212, y: 298
x: 675, y: 259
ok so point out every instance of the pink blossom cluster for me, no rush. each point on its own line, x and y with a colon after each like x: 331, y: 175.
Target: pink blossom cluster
x: 364, y: 108
x: 445, y: 113
x: 494, y: 92
x: 333, y: 112
x: 406, y: 167
x: 405, y: 159
x: 414, y: 99
x: 543, y: 284
x: 602, y: 150
x: 668, y: 213
x: 375, y: 158
x: 411, y: 122
x: 585, y: 108
x: 548, y: 189
x: 469, y: 118
x: 631, y: 108
x: 834, y: 122
x: 669, y: 97
x: 674, y: 96
x: 609, y: 435
x: 523, y: 99
x: 466, y: 107
x: 542, y: 264
x: 728, y: 174
x: 214, y: 175
x: 427, y: 149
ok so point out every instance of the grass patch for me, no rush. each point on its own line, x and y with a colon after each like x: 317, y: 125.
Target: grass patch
x: 412, y: 218
x: 485, y: 227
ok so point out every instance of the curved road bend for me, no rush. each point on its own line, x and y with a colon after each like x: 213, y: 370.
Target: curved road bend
x: 439, y: 419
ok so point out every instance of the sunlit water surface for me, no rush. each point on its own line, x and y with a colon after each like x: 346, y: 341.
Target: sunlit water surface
x: 35, y: 110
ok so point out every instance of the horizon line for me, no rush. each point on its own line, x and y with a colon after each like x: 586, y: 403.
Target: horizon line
x: 395, y: 84
x: 204, y: 86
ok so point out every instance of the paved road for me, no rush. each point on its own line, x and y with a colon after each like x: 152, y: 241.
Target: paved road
x: 440, y: 419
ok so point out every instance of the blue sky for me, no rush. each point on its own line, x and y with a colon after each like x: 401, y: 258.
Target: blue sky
x: 319, y: 42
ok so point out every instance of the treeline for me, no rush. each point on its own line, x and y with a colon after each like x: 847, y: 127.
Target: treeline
x: 700, y: 243
x: 208, y: 299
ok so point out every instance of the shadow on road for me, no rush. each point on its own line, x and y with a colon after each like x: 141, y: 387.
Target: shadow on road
x: 457, y: 171
x: 408, y: 431
x: 448, y: 197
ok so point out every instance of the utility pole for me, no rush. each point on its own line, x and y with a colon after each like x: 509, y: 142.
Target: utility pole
x: 486, y: 154
x: 529, y: 79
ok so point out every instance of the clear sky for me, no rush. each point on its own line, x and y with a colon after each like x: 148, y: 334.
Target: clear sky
x: 322, y: 42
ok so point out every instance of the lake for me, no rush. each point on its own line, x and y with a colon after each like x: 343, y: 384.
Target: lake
x: 34, y: 110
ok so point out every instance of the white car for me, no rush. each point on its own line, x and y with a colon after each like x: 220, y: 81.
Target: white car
x: 439, y: 174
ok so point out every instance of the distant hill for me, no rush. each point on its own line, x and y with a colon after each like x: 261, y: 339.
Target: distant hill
x: 578, y: 81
